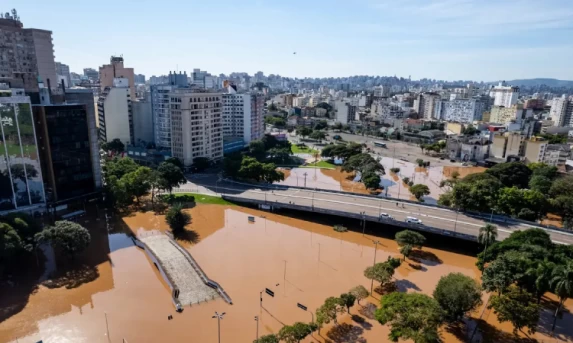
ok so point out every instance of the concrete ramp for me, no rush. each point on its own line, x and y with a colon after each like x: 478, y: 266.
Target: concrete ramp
x: 181, y: 269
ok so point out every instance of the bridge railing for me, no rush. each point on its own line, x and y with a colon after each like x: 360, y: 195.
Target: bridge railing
x: 345, y: 214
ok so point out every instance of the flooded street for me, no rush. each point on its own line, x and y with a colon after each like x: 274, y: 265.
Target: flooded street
x: 301, y: 261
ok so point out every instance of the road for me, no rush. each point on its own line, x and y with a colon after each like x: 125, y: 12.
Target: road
x: 441, y: 218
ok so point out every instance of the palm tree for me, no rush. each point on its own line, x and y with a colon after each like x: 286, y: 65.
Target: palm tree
x: 562, y: 283
x: 487, y: 235
x: 542, y: 274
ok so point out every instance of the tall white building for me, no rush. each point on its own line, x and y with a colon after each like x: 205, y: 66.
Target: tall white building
x: 345, y: 112
x: 243, y: 115
x: 504, y: 95
x: 114, y: 113
x: 426, y: 105
x: 562, y: 111
x: 161, y: 115
x: 196, y: 126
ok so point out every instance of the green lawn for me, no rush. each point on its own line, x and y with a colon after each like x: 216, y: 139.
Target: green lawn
x: 296, y: 150
x: 321, y: 164
x: 206, y: 199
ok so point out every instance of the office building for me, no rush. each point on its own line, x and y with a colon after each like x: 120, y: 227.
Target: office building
x: 503, y: 95
x: 115, y: 69
x: 179, y: 80
x: 505, y: 145
x: 196, y: 127
x: 561, y: 112
x: 243, y: 115
x: 203, y: 79
x: 345, y: 112
x: 63, y: 73
x: 539, y: 150
x: 114, y: 113
x: 68, y: 151
x: 91, y: 74
x: 142, y: 120
x: 21, y: 184
x: 26, y: 55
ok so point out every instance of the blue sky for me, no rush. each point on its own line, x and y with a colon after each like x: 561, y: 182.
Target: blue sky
x: 443, y: 39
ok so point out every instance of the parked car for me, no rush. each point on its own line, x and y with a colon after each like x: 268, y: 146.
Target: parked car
x: 413, y: 220
x: 386, y: 216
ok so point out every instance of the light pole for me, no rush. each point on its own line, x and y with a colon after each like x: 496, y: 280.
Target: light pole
x: 305, y: 175
x: 363, y: 222
x: 219, y: 317
x: 491, y: 217
x: 375, y: 250
x: 456, y: 223
x: 257, y: 320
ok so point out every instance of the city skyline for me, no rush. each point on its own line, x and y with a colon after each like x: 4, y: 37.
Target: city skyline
x: 445, y: 39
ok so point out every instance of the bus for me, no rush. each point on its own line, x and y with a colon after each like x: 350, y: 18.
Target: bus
x: 379, y: 144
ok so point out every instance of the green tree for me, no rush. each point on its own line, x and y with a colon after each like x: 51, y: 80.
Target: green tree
x: 562, y: 284
x: 232, y: 164
x: 348, y: 300
x: 381, y: 272
x: 303, y: 131
x: 497, y: 276
x: 337, y: 126
x: 409, y: 237
x: 517, y: 307
x: 487, y: 235
x: 10, y: 243
x: 420, y: 162
x: 411, y: 316
x: 294, y: 333
x: 267, y: 339
x: 115, y: 146
x: 317, y: 135
x: 511, y: 174
x: 360, y: 292
x: 406, y: 250
x: 540, y: 184
x: 329, y: 311
x: 271, y: 174
x: 118, y: 167
x: 371, y: 180
x: 257, y: 149
x: 137, y: 183
x: 171, y: 176
x: 542, y: 274
x: 321, y: 125
x: 477, y: 192
x: 69, y: 236
x: 175, y: 161
x: 457, y: 295
x: 201, y: 163
x: 470, y: 130
x: 419, y: 190
x: 177, y: 219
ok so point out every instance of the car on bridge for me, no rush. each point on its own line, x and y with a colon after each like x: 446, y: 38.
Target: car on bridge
x: 386, y: 216
x: 413, y: 220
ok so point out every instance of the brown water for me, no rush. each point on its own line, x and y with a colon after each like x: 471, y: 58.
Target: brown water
x: 300, y: 261
x: 345, y: 180
x: 463, y: 171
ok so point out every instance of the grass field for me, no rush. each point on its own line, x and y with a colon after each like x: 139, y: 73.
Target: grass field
x: 321, y: 164
x: 296, y: 150
x: 206, y: 199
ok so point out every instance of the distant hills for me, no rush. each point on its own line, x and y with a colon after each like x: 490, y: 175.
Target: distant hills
x: 539, y: 82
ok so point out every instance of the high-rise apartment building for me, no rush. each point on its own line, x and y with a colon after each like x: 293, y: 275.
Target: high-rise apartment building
x: 26, y: 55
x: 21, y: 185
x: 461, y: 110
x: 203, y: 79
x: 504, y: 95
x: 142, y: 120
x: 427, y: 104
x: 196, y: 127
x: 139, y: 79
x: 243, y: 115
x: 505, y: 115
x: 63, y: 73
x: 161, y: 115
x: 114, y: 113
x: 561, y: 112
x: 115, y: 69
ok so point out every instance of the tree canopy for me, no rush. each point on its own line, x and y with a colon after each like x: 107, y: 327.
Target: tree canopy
x: 419, y: 190
x: 177, y: 219
x: 511, y: 174
x: 409, y: 237
x: 517, y: 307
x: 412, y: 316
x: 69, y: 236
x: 457, y: 295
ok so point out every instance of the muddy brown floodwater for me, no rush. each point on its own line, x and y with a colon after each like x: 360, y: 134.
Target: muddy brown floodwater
x: 301, y: 261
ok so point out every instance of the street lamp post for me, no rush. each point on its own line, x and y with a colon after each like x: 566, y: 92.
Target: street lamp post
x: 375, y: 250
x: 257, y: 320
x: 219, y: 317
x: 456, y: 223
x: 363, y: 222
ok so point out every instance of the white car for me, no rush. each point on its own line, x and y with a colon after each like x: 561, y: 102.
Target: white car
x: 413, y: 220
x: 386, y: 216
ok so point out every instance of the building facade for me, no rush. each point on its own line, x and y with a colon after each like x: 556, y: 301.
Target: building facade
x: 67, y: 152
x: 503, y: 95
x: 561, y: 112
x: 21, y: 183
x: 196, y: 125
x: 161, y: 115
x: 27, y: 55
x: 242, y: 116
x: 115, y: 69
x: 91, y: 74
x: 142, y: 120
x: 462, y: 110
x: 114, y: 113
x: 63, y: 73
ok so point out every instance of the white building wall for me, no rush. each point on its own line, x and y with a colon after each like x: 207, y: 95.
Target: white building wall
x: 116, y: 113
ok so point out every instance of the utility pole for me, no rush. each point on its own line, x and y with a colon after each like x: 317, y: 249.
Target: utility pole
x: 363, y: 222
x: 219, y: 317
x: 305, y: 174
x: 257, y: 320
